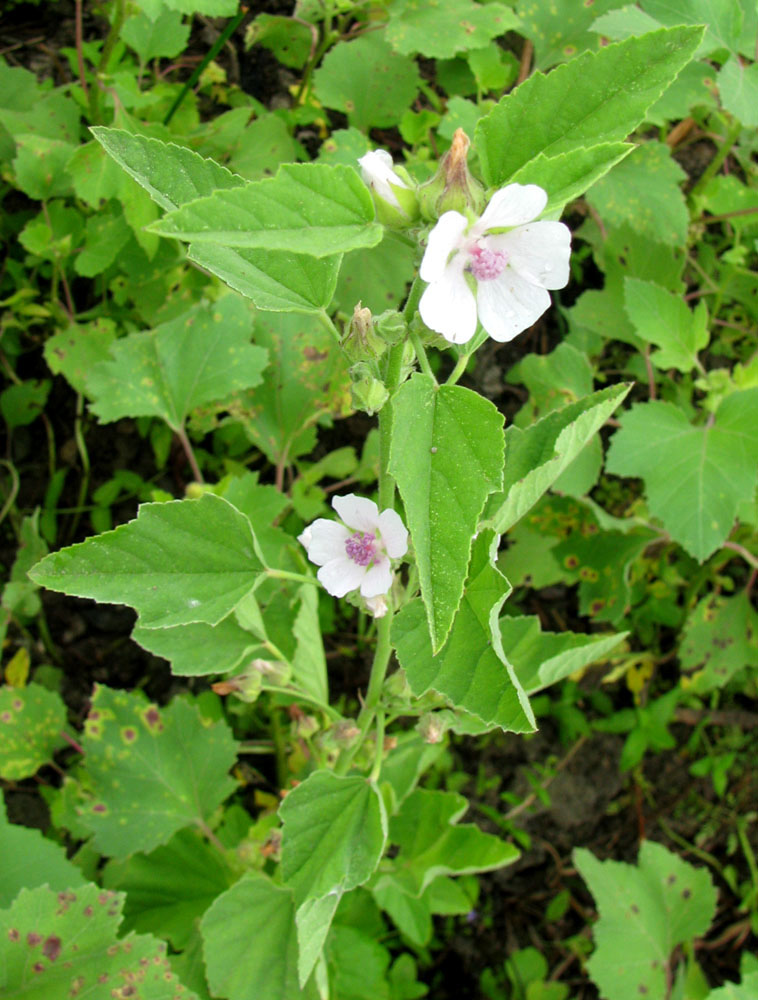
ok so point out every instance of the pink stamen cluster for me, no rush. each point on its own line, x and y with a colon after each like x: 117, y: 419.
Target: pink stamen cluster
x: 487, y: 264
x: 361, y: 547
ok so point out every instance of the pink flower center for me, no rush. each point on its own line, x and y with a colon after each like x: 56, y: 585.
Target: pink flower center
x: 487, y: 264
x: 361, y: 547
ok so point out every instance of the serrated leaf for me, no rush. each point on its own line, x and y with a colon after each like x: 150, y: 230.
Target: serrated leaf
x: 198, y: 650
x: 307, y: 208
x: 201, y: 356
x: 439, y: 29
x: 58, y: 944
x: 444, y: 469
x: 349, y: 80
x: 597, y: 98
x: 721, y: 638
x: 31, y: 721
x: 250, y: 943
x: 432, y: 843
x: 695, y: 476
x: 177, y: 563
x: 738, y: 89
x: 644, y: 192
x: 333, y: 834
x: 537, y: 456
x: 722, y: 19
x: 163, y: 37
x: 148, y: 780
x: 471, y: 669
x: 543, y: 658
x: 570, y: 174
x: 169, y: 889
x: 75, y: 351
x: 18, y: 846
x: 664, y: 319
x: 172, y: 175
x: 561, y: 28
x: 645, y: 912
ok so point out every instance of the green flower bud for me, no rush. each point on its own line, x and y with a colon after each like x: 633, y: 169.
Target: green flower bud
x: 361, y: 342
x: 452, y: 189
x: 367, y: 392
x: 391, y: 188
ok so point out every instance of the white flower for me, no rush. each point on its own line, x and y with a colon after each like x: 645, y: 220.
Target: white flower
x: 377, y: 172
x: 356, y: 554
x: 512, y: 270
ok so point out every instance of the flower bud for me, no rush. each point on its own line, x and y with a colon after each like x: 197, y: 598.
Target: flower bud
x: 367, y: 392
x: 432, y: 727
x: 361, y: 342
x: 396, y: 203
x: 452, y: 189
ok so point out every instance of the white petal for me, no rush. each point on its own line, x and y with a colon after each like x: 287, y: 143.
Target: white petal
x: 377, y: 606
x: 394, y: 533
x: 511, y: 206
x: 448, y: 305
x: 539, y: 252
x: 378, y: 579
x: 443, y: 240
x: 358, y: 513
x: 377, y: 172
x: 509, y: 304
x: 340, y: 576
x: 326, y: 540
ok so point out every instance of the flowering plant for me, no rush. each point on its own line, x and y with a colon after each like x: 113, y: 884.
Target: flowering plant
x: 354, y: 265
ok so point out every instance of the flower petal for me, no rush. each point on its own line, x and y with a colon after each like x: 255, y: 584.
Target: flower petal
x: 443, y: 240
x: 377, y: 172
x: 324, y: 540
x: 509, y: 304
x: 358, y: 513
x: 378, y: 579
x: 340, y: 576
x: 511, y: 206
x: 539, y: 252
x: 394, y: 533
x: 448, y: 305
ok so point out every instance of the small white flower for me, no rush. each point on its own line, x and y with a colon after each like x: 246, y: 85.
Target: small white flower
x: 512, y: 270
x: 377, y: 172
x: 356, y: 554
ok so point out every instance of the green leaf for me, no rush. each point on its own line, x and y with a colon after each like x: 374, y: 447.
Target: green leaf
x: 644, y: 192
x: 721, y: 638
x: 250, y: 943
x: 177, y: 563
x: 94, y: 175
x: 148, y: 780
x: 439, y: 29
x: 22, y: 402
x: 543, y: 658
x: 444, y: 469
x: 333, y: 834
x: 164, y: 37
x: 58, y: 944
x: 471, y: 669
x: 609, y: 90
x: 75, y: 351
x: 645, y: 912
x: 105, y: 236
x: 722, y: 19
x: 738, y: 89
x: 168, y: 890
x: 664, y: 319
x: 570, y: 174
x: 377, y: 278
x: 306, y: 379
x: 367, y: 80
x: 274, y: 280
x: 308, y: 208
x: 31, y: 860
x: 695, y: 476
x: 288, y: 39
x: 745, y: 990
x: 31, y: 721
x: 431, y: 843
x: 537, y: 456
x: 201, y: 356
x: 198, y: 650
x: 263, y: 145
x: 560, y: 29
x: 40, y: 166
x: 171, y: 174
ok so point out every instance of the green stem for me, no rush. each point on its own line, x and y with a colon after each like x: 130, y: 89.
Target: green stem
x: 209, y: 57
x: 308, y: 699
x: 423, y: 360
x: 732, y: 135
x: 460, y: 368
x: 112, y: 37
x: 284, y: 574
x: 327, y: 323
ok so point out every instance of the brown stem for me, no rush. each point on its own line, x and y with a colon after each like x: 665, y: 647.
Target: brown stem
x: 526, y: 61
x: 79, y: 53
